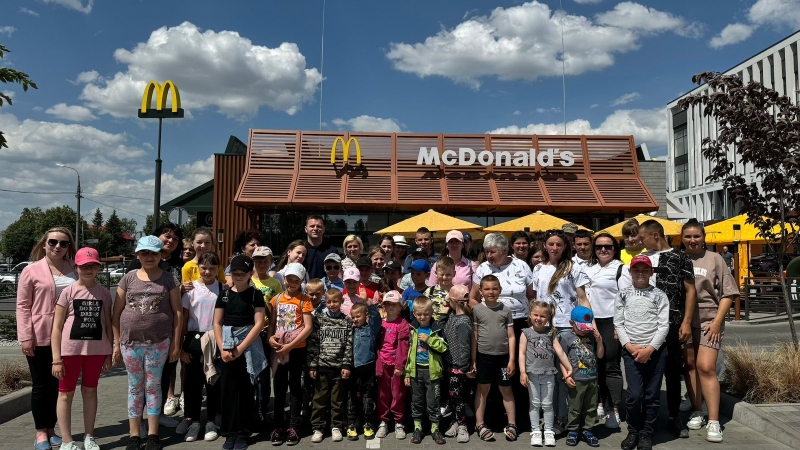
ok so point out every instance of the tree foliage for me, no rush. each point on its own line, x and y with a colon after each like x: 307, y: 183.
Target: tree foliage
x: 20, y: 236
x: 147, y: 228
x: 129, y: 225
x: 112, y: 241
x: 97, y: 224
x: 8, y: 75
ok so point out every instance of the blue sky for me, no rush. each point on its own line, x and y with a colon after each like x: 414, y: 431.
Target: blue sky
x: 416, y: 66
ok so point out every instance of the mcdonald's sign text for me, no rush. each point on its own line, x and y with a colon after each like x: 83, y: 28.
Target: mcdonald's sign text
x: 345, y: 150
x: 161, y: 91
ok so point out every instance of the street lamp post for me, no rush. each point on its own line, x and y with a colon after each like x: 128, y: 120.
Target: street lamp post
x: 78, y: 212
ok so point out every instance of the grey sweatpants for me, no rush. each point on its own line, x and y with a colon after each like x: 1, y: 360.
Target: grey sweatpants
x: 425, y: 394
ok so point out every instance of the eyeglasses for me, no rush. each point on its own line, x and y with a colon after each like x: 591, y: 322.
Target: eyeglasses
x: 54, y: 242
x: 604, y: 247
x: 332, y: 267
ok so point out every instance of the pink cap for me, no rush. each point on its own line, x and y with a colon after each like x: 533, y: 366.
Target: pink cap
x: 86, y: 255
x: 454, y: 234
x: 392, y: 297
x: 458, y: 292
x: 352, y: 274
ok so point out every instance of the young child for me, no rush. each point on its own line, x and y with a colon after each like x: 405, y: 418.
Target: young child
x: 202, y: 244
x: 494, y: 358
x: 262, y: 261
x: 417, y: 255
x: 238, y: 321
x: 330, y: 360
x: 290, y: 325
x: 424, y: 368
x: 367, y: 271
x: 367, y: 326
x: 199, y: 305
x: 538, y: 367
x: 445, y: 271
x: 583, y: 346
x: 333, y: 266
x: 389, y: 367
x: 420, y: 271
x: 81, y: 343
x: 457, y: 322
x: 315, y: 290
x: 641, y: 316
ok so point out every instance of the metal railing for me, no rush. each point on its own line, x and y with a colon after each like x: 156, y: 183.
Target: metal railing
x: 764, y: 295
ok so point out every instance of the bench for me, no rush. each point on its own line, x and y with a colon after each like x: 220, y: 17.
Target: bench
x: 764, y: 295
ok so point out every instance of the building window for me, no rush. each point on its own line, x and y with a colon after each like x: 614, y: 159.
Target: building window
x: 681, y: 177
x: 681, y: 144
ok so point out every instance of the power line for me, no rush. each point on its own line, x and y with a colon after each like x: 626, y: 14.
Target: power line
x: 32, y: 192
x: 114, y: 207
x: 120, y: 196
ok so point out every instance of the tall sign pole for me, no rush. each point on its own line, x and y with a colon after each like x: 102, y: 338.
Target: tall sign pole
x: 160, y: 112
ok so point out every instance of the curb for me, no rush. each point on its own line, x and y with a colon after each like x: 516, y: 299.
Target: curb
x: 753, y: 418
x: 15, y: 404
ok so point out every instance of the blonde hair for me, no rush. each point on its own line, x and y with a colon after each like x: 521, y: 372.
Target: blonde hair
x: 542, y: 304
x: 314, y: 283
x: 38, y: 252
x: 353, y: 238
x: 333, y: 293
x: 422, y: 302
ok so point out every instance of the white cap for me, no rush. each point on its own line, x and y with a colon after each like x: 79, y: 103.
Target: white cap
x: 295, y: 269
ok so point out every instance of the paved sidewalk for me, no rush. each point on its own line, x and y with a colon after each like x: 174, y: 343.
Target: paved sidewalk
x: 112, y: 432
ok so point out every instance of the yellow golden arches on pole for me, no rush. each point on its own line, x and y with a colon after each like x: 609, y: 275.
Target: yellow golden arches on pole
x: 161, y: 92
x: 345, y: 149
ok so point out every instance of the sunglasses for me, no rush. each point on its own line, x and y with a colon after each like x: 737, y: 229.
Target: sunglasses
x: 604, y: 247
x: 54, y: 242
x: 332, y: 267
x: 555, y: 233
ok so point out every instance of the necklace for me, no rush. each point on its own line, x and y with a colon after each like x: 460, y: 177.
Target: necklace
x: 52, y: 267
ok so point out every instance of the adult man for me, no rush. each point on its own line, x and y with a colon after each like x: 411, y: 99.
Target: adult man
x: 583, y: 248
x: 674, y: 274
x: 424, y: 240
x: 318, y: 247
x: 727, y: 256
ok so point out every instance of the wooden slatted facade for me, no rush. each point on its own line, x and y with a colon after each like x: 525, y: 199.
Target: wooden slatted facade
x: 292, y: 170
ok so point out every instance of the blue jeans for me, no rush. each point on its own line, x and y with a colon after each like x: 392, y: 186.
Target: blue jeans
x: 644, y: 390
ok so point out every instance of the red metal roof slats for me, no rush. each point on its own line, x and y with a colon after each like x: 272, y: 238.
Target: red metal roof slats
x: 621, y: 191
x: 609, y: 157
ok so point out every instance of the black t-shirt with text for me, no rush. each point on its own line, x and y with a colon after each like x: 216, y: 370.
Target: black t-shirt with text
x: 240, y: 307
x: 673, y: 269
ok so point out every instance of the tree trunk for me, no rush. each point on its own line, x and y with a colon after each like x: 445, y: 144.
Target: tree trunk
x: 787, y: 297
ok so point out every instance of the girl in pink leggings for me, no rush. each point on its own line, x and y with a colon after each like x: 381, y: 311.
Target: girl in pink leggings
x: 81, y: 343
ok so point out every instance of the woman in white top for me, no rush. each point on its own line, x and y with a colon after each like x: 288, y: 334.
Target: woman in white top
x: 603, y: 271
x: 353, y: 247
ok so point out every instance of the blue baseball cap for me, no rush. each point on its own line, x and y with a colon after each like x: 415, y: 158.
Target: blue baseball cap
x: 421, y: 265
x: 151, y: 243
x: 582, y: 317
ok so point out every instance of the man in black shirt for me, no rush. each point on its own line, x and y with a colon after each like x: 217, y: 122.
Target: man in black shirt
x: 674, y: 274
x: 318, y: 247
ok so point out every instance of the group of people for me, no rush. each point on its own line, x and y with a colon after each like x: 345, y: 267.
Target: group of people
x: 357, y: 340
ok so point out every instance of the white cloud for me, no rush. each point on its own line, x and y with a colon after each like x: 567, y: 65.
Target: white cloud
x: 587, y: 1
x: 8, y: 30
x: 517, y: 112
x: 595, y: 105
x: 29, y: 12
x: 369, y: 123
x: 74, y: 113
x: 776, y: 12
x: 211, y: 69
x: 732, y: 34
x: 626, y: 98
x: 87, y: 77
x: 77, y: 5
x: 524, y: 42
x: 646, y: 125
x: 548, y: 110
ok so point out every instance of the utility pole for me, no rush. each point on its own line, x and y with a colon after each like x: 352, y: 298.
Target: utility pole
x: 78, y: 212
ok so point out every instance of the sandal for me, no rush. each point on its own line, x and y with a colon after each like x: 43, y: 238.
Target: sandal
x: 511, y: 432
x: 484, y: 433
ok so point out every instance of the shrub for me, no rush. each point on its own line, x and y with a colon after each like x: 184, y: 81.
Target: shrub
x: 14, y: 375
x: 764, y: 376
x: 8, y: 327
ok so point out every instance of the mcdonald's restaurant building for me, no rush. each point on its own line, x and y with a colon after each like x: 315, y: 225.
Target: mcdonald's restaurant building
x: 363, y: 182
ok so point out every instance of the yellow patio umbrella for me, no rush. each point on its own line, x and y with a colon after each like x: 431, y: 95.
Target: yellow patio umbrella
x: 431, y: 220
x: 537, y: 221
x: 722, y: 232
x: 670, y: 228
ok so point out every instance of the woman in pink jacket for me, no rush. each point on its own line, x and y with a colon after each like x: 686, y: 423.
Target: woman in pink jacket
x: 40, y: 284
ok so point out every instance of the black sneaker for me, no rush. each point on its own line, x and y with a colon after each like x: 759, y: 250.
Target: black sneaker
x: 591, y: 439
x: 572, y: 438
x: 630, y: 442
x: 134, y: 443
x: 276, y: 437
x: 437, y: 437
x: 645, y: 443
x: 291, y: 437
x: 153, y: 442
x: 229, y: 443
x: 676, y: 427
x: 416, y: 438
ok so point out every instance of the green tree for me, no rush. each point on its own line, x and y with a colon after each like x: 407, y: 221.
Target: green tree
x: 189, y: 227
x: 20, y: 237
x: 60, y: 216
x: 97, y: 224
x: 112, y: 241
x: 8, y: 75
x: 129, y: 225
x: 148, y: 223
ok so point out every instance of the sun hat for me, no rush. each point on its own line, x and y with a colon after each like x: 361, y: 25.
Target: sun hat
x: 243, y: 263
x: 262, y: 252
x: 86, y: 255
x: 295, y: 269
x: 352, y: 273
x: 151, y: 243
x: 454, y: 234
x: 582, y: 317
x: 400, y: 240
x: 392, y: 297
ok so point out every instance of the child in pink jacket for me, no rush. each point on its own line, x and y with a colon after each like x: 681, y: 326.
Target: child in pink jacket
x: 392, y: 345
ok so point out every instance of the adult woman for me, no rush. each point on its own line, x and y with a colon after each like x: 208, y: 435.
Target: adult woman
x: 245, y: 243
x: 352, y: 250
x: 603, y: 271
x: 387, y: 244
x: 295, y: 252
x: 188, y: 251
x: 465, y: 268
x: 40, y: 284
x: 520, y: 245
x: 716, y: 291
x: 557, y: 280
x: 400, y: 249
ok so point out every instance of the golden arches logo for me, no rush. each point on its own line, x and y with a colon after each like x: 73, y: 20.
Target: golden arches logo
x: 161, y: 92
x: 345, y: 149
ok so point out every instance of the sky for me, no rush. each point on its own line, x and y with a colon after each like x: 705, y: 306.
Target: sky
x: 466, y: 66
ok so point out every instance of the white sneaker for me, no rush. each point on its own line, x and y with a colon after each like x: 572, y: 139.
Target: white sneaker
x: 536, y: 438
x: 336, y: 435
x: 601, y: 412
x: 184, y: 426
x: 166, y: 421
x: 696, y: 421
x: 172, y: 406
x: 399, y: 432
x: 713, y: 432
x: 89, y: 443
x: 383, y: 430
x: 612, y: 420
x: 71, y: 446
x: 549, y: 438
x: 193, y: 432
x: 686, y: 404
x: 317, y: 437
x: 211, y: 432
